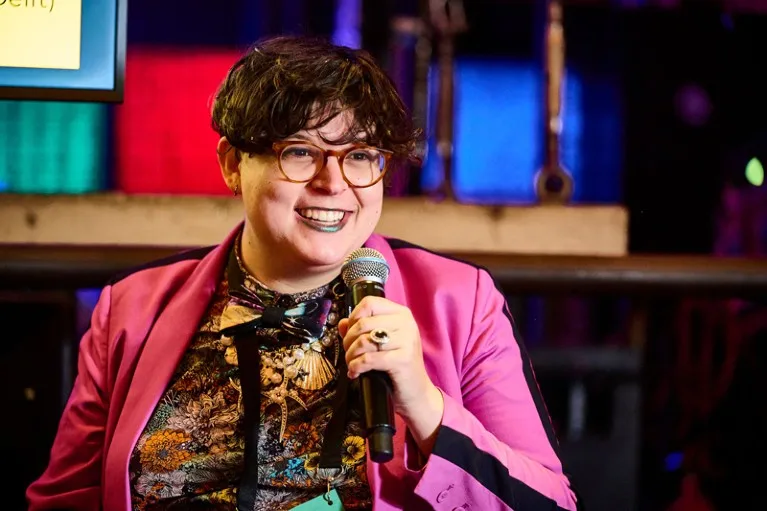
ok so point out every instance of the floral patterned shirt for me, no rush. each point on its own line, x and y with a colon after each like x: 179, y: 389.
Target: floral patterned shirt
x: 191, y: 453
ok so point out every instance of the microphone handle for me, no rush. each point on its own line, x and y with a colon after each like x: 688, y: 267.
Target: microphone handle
x: 376, y: 390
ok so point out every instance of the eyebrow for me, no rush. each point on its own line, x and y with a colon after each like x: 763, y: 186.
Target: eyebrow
x: 307, y: 138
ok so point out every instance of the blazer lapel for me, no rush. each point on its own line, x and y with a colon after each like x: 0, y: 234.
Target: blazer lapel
x: 165, y: 345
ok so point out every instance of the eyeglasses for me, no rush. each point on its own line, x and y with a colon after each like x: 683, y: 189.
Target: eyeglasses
x: 361, y: 165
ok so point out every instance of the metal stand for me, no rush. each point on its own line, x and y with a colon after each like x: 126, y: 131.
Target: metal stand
x: 553, y: 183
x: 447, y: 20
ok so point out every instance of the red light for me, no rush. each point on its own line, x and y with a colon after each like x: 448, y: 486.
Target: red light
x: 164, y: 141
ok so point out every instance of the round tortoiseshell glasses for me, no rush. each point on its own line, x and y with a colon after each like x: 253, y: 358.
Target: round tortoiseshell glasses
x: 361, y: 165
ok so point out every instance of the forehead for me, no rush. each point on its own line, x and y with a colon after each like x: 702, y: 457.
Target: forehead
x: 340, y: 129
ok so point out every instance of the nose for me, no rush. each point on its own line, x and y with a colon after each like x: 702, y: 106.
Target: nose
x: 330, y: 179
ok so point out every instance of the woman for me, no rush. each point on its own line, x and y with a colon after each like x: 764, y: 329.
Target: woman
x: 169, y: 411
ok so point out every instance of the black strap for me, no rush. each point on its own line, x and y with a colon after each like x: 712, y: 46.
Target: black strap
x: 272, y: 317
x: 331, y: 446
x: 249, y: 360
x: 330, y: 456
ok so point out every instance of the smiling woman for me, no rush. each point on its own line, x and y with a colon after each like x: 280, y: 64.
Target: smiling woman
x: 226, y: 377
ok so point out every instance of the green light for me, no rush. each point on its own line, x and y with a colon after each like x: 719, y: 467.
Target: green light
x: 755, y: 172
x: 52, y: 147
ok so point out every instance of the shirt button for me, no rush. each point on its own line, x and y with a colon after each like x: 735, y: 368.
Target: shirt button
x: 443, y: 494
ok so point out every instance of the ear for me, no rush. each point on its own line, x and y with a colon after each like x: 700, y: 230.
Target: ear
x: 229, y: 162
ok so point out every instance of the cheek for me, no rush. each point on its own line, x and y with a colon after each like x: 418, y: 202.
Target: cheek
x: 258, y: 180
x: 372, y: 200
x: 258, y: 200
x: 261, y: 190
x: 375, y: 210
x: 271, y: 202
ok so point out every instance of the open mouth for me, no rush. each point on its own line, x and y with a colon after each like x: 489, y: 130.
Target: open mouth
x: 325, y: 220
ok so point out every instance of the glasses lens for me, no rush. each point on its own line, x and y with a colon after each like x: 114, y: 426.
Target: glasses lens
x: 363, y: 166
x: 299, y: 162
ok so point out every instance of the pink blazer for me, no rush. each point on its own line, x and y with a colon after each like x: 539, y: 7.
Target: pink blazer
x: 495, y: 449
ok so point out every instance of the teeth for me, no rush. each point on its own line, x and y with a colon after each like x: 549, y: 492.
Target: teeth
x: 322, y: 215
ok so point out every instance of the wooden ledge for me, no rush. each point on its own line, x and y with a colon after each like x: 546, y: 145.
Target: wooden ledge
x: 188, y: 221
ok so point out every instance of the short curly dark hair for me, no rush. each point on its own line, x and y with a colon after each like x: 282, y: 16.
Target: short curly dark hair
x: 285, y: 83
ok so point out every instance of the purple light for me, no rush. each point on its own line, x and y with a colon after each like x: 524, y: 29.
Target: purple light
x: 347, y: 29
x: 693, y: 104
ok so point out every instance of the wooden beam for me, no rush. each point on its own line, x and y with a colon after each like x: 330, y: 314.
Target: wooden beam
x: 186, y: 221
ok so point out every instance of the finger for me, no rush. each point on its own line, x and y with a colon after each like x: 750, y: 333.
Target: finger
x: 368, y: 324
x: 373, y: 306
x: 366, y: 344
x: 359, y: 347
x: 373, y: 361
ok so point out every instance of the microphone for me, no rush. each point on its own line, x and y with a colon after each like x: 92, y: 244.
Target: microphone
x: 365, y: 272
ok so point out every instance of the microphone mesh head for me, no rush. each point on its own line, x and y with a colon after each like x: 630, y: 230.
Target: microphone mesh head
x: 365, y: 263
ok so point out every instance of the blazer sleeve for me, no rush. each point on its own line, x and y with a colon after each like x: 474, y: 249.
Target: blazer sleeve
x: 72, y: 479
x: 495, y: 448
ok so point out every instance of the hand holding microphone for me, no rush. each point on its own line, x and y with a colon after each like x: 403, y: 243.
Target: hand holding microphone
x: 381, y: 338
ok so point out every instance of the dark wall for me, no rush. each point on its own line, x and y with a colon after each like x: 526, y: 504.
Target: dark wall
x: 36, y: 370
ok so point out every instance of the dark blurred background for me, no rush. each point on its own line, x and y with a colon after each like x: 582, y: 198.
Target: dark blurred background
x: 664, y: 114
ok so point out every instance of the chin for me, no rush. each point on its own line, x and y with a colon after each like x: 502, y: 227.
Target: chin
x: 314, y: 256
x: 326, y: 254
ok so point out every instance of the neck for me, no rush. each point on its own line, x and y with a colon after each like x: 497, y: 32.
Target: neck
x: 282, y: 274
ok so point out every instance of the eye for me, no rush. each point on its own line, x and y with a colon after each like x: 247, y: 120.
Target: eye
x: 361, y: 155
x: 299, y: 152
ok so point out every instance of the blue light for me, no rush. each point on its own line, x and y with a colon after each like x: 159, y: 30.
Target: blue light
x: 673, y: 461
x: 347, y: 23
x: 499, y: 135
